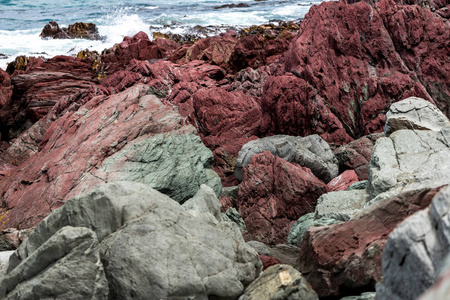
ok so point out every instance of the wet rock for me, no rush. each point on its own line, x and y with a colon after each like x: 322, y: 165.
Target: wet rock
x: 311, y: 152
x: 416, y: 114
x: 415, y: 251
x: 78, y: 30
x: 347, y: 256
x: 231, y: 6
x: 280, y: 282
x: 274, y: 194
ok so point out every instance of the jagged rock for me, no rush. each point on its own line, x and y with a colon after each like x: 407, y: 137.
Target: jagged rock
x: 343, y: 181
x: 268, y: 261
x: 11, y: 238
x: 356, y: 155
x: 204, y: 202
x: 298, y: 230
x: 274, y: 194
x: 5, y: 88
x: 311, y: 152
x: 128, y: 136
x: 232, y: 215
x: 441, y: 288
x: 347, y: 256
x: 360, y: 185
x: 341, y: 205
x: 414, y: 113
x: 408, y: 160
x: 44, y: 272
x: 135, y: 226
x: 280, y: 282
x: 4, y: 258
x: 415, y: 251
x: 78, y: 30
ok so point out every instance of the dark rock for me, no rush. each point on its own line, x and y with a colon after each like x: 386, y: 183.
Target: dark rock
x: 78, y: 30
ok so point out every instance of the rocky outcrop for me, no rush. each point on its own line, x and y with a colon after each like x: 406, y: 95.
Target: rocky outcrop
x: 280, y: 282
x: 129, y: 136
x: 125, y: 255
x: 311, y: 152
x: 415, y: 251
x: 78, y: 30
x: 274, y: 194
x: 344, y: 257
x: 414, y: 113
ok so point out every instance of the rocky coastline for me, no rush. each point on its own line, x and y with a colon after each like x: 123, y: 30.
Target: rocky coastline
x: 298, y: 160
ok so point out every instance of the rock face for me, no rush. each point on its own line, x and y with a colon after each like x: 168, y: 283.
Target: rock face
x: 83, y: 149
x: 280, y: 282
x: 341, y: 205
x: 347, y: 256
x: 311, y: 152
x: 125, y: 255
x: 415, y: 251
x: 78, y: 30
x: 5, y: 88
x: 414, y: 113
x: 274, y: 194
x: 408, y: 160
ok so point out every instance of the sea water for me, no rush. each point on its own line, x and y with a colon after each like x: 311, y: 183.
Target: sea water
x: 21, y: 21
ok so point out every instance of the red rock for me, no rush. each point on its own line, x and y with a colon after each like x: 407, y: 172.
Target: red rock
x: 343, y: 181
x: 75, y: 145
x: 291, y: 106
x: 268, y: 261
x: 356, y: 155
x: 347, y: 56
x: 274, y: 194
x: 5, y: 88
x: 338, y: 258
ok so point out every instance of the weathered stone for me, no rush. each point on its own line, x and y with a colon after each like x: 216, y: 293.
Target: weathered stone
x: 44, y: 272
x: 280, y: 282
x: 78, y: 30
x: 232, y: 215
x: 311, y: 152
x: 343, y: 181
x: 341, y: 205
x: 360, y: 185
x: 274, y: 194
x: 204, y: 202
x: 441, y: 288
x: 347, y: 256
x: 408, y: 160
x: 363, y: 296
x: 298, y: 230
x: 11, y: 238
x: 261, y: 248
x: 4, y: 258
x: 414, y: 113
x: 416, y: 250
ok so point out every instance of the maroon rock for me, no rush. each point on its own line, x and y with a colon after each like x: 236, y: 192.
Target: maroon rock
x: 274, y: 194
x: 291, y: 106
x: 268, y: 261
x: 5, y: 88
x: 75, y: 145
x: 343, y: 257
x: 343, y: 181
x: 346, y: 54
x: 356, y: 155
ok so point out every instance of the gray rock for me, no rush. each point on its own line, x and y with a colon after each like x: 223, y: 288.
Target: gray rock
x: 414, y: 113
x: 441, y: 289
x: 261, y: 248
x: 231, y: 191
x: 204, y: 202
x: 409, y: 160
x: 298, y: 230
x: 415, y: 251
x: 363, y: 296
x: 151, y: 248
x: 341, y: 205
x: 311, y: 152
x: 66, y: 266
x: 281, y: 282
x: 360, y: 185
x: 232, y: 215
x: 173, y: 164
x: 4, y: 258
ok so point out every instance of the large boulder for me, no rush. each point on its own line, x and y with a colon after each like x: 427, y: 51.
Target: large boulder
x: 144, y: 243
x: 408, y: 160
x: 415, y: 251
x: 414, y: 113
x: 274, y: 194
x: 311, y: 152
x: 341, y: 205
x: 346, y: 257
x: 281, y: 282
x: 128, y: 136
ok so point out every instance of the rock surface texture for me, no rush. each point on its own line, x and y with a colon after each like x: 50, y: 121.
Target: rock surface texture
x: 126, y: 254
x: 415, y: 251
